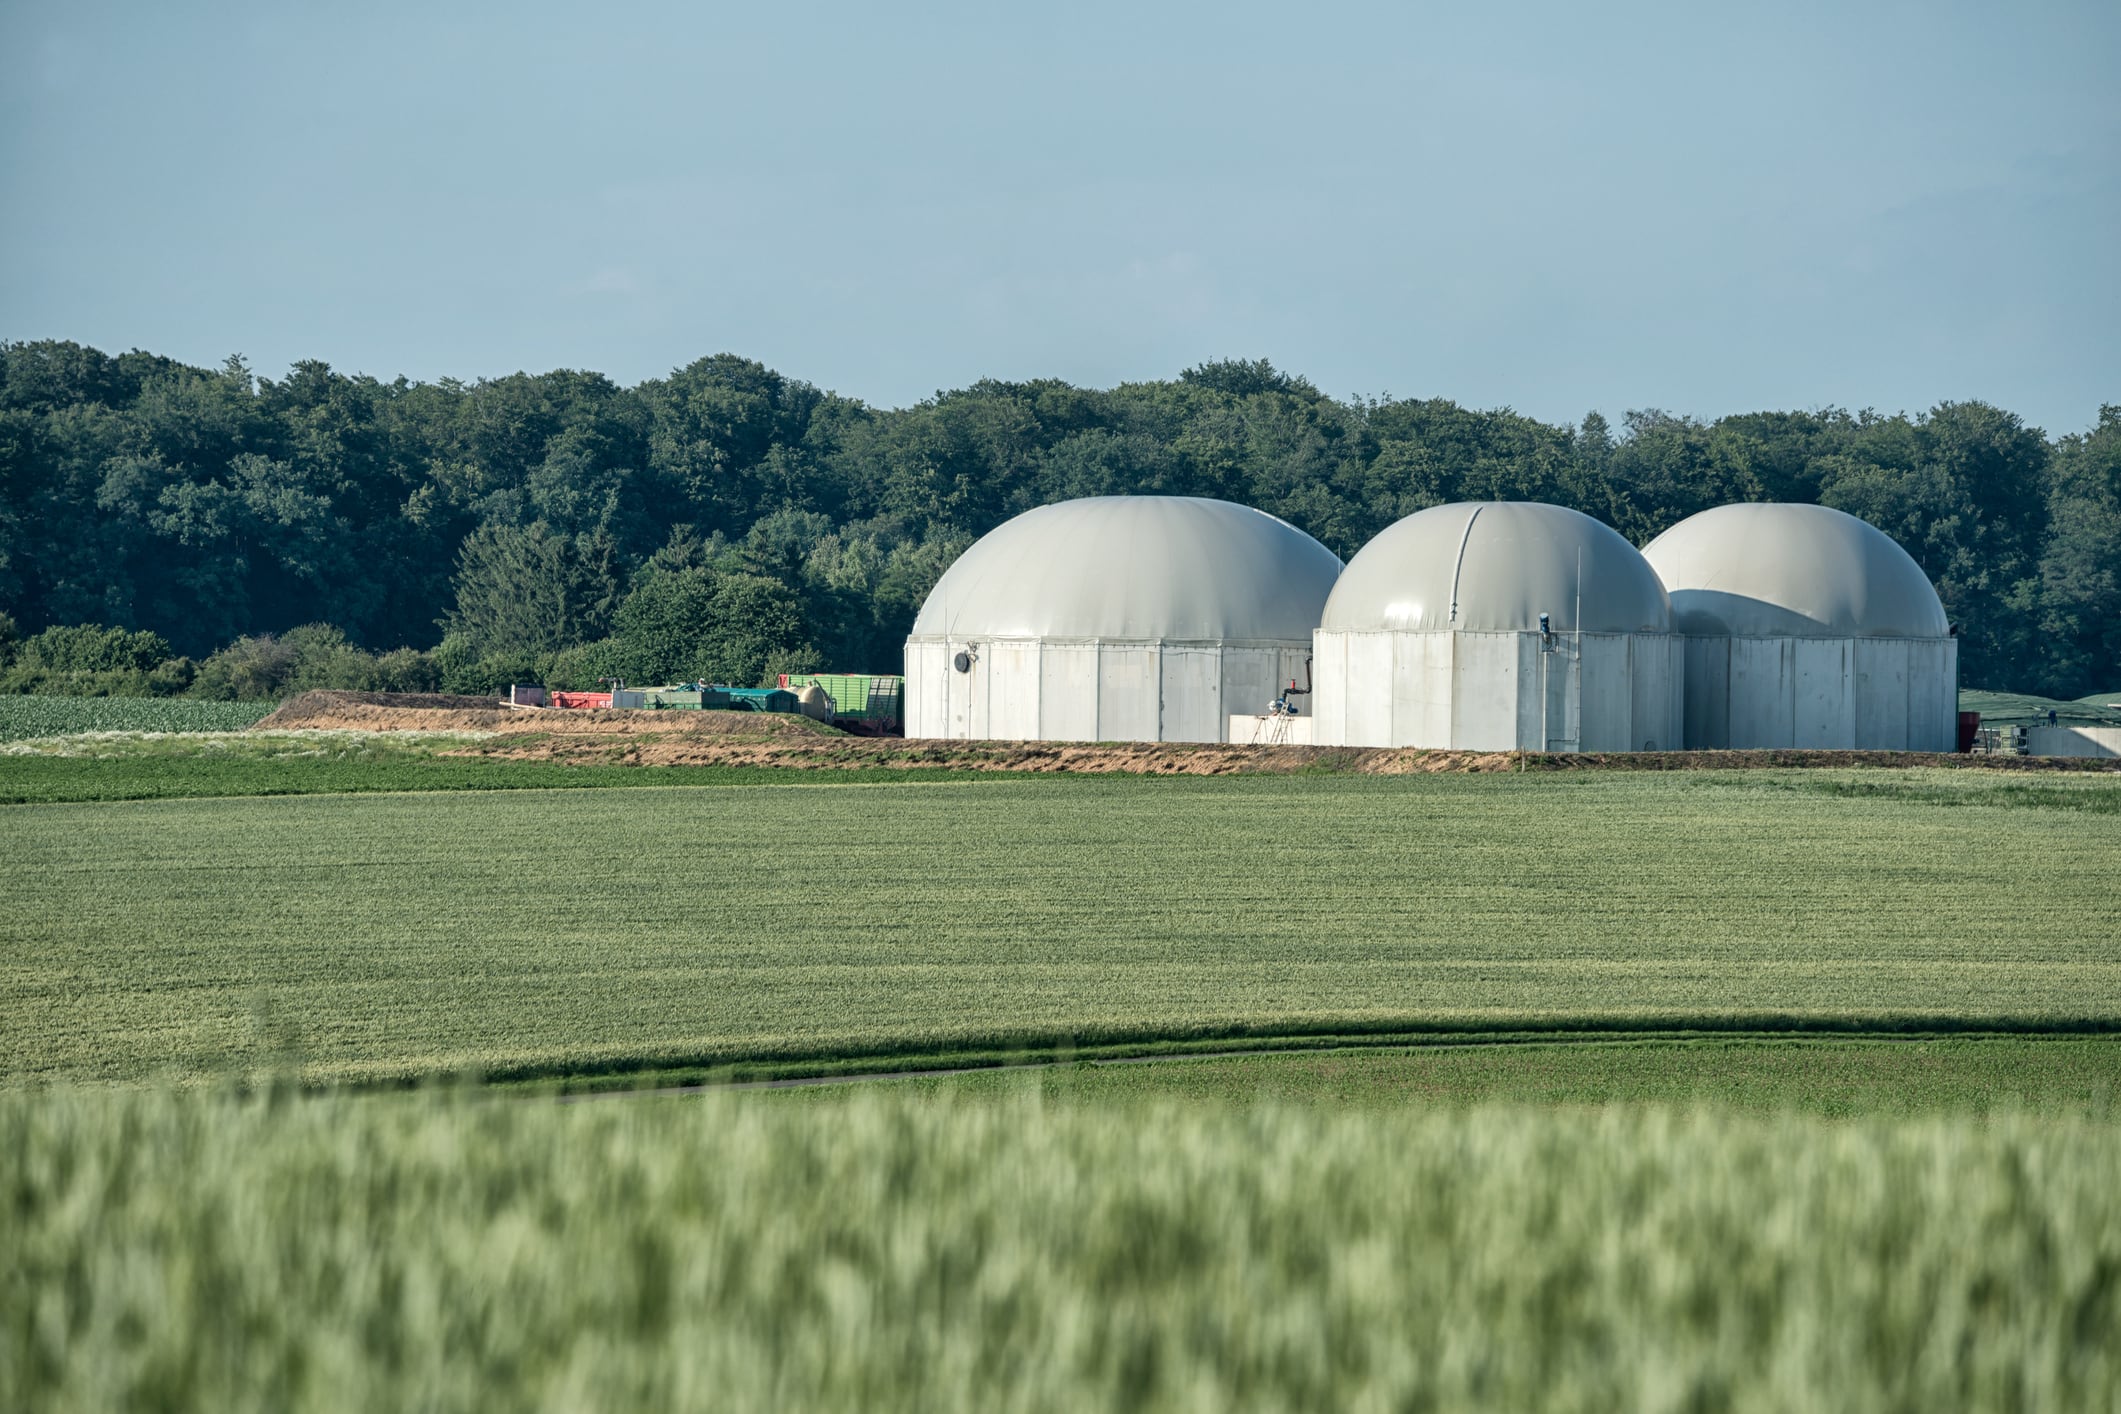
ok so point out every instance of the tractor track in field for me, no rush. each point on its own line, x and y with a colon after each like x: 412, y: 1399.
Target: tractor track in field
x: 1357, y: 1045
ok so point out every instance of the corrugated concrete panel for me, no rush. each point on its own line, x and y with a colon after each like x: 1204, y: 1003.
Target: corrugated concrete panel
x: 1881, y: 693
x: 1421, y: 688
x: 1487, y: 676
x: 1607, y: 701
x: 1192, y: 697
x: 1368, y: 711
x: 1013, y: 691
x: 1067, y: 692
x: 1933, y: 694
x: 1708, y: 694
x: 1655, y: 719
x: 926, y: 691
x: 1549, y: 719
x: 1128, y: 684
x: 1761, y: 684
x: 1822, y: 696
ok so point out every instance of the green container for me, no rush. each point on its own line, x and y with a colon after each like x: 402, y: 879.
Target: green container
x: 689, y: 699
x: 867, y: 696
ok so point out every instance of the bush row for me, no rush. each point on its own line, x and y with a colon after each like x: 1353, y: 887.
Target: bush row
x: 88, y: 661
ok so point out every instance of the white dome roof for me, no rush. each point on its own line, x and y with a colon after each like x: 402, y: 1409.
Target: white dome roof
x: 1135, y: 568
x: 1774, y: 570
x: 1495, y: 567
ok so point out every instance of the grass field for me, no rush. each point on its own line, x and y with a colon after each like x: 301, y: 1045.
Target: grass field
x: 1628, y: 1168
x: 24, y: 717
x: 528, y: 933
x: 176, y: 1252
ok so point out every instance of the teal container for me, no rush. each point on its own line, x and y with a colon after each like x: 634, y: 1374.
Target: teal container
x: 761, y: 699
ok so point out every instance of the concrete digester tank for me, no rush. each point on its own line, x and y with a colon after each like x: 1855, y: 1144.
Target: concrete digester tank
x: 1807, y: 627
x: 1116, y: 618
x: 1498, y: 626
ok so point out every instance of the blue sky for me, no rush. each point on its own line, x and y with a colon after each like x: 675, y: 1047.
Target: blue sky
x: 1704, y: 208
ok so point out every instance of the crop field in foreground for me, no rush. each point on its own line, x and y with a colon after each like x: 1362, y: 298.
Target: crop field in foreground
x: 24, y: 717
x: 528, y: 933
x: 179, y: 1251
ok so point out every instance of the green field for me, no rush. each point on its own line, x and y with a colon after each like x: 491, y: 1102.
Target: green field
x: 1687, y: 1090
x: 26, y: 717
x: 872, y: 1252
x: 571, y: 933
x: 137, y: 766
x: 1967, y: 1076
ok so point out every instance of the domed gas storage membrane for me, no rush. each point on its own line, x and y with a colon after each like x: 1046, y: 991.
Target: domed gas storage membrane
x: 1807, y: 627
x: 1116, y: 618
x: 1499, y: 626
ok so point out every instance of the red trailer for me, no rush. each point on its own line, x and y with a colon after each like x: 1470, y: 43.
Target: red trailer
x: 581, y: 699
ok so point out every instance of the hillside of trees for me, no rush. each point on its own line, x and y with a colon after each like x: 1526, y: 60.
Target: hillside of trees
x: 172, y: 529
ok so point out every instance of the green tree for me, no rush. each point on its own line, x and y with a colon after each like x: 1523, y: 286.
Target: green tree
x: 2080, y: 568
x: 528, y: 590
x: 1964, y: 490
x: 703, y: 624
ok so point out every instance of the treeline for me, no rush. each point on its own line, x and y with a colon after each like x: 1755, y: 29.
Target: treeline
x: 247, y: 536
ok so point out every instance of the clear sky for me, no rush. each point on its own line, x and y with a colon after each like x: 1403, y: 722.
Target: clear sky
x: 1703, y: 207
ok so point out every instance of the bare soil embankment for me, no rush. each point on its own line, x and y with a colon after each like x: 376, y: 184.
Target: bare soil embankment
x: 439, y: 712
x: 756, y: 739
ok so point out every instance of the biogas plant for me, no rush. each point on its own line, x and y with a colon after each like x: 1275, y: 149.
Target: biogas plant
x: 1488, y: 626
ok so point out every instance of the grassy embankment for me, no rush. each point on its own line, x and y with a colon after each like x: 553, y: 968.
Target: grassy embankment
x: 183, y: 1252
x: 674, y: 934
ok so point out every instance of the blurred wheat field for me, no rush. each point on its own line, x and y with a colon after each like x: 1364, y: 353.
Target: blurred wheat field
x: 181, y: 1251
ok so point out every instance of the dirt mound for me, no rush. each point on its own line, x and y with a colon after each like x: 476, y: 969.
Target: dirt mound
x: 385, y: 711
x: 1176, y: 759
x: 440, y: 712
x: 668, y: 738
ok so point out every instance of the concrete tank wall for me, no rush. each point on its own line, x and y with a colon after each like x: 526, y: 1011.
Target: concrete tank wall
x: 1051, y: 690
x: 1824, y: 694
x: 1499, y: 691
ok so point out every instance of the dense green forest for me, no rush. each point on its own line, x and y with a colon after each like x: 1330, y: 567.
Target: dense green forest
x: 167, y: 529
